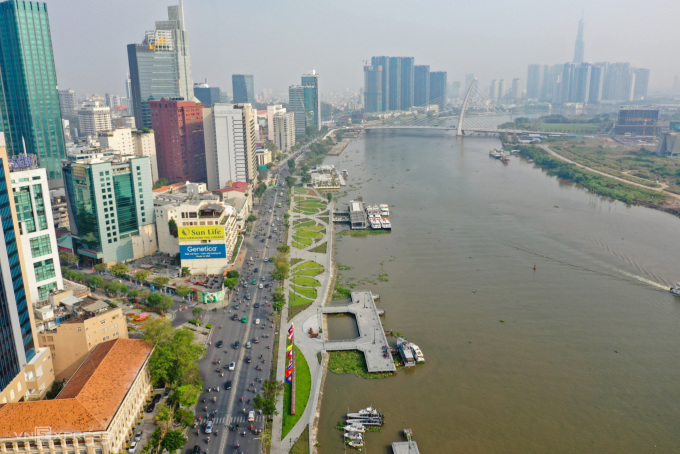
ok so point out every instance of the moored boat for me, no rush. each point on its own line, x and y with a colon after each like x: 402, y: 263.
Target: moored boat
x: 356, y: 427
x: 354, y: 436
x: 356, y: 443
x: 420, y: 358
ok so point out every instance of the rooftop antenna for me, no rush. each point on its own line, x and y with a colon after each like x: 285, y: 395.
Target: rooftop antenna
x: 23, y: 143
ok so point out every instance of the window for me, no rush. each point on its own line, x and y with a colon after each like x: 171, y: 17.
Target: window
x: 44, y: 270
x: 44, y: 290
x: 40, y: 246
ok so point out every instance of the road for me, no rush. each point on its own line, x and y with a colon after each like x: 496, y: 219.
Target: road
x: 232, y: 406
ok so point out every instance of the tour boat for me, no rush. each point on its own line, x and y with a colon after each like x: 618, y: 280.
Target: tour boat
x: 356, y: 443
x: 417, y: 352
x: 384, y: 210
x: 495, y: 154
x: 385, y: 224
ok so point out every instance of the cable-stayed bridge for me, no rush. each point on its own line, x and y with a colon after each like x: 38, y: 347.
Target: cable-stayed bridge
x: 477, y: 115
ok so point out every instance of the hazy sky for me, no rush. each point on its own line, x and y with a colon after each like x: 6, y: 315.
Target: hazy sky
x: 279, y: 40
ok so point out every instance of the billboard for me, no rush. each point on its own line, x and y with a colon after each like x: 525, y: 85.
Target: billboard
x: 202, y: 251
x: 211, y: 232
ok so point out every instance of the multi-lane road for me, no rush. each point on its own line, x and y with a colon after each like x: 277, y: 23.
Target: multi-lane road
x: 231, y: 407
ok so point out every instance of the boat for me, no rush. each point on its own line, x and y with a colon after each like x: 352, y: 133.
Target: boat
x: 385, y: 224
x: 354, y: 436
x: 356, y: 443
x: 406, y: 352
x: 366, y: 421
x: 384, y: 210
x: 375, y: 223
x: 366, y: 413
x: 495, y: 154
x: 505, y: 160
x: 417, y: 352
x: 675, y: 290
x: 356, y: 427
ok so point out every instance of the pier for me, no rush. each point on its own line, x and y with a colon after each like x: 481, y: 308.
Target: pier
x: 372, y: 341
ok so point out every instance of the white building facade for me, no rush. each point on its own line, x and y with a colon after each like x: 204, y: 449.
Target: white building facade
x: 284, y: 130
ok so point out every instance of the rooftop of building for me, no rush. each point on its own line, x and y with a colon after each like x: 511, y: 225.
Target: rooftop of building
x: 90, y: 399
x: 240, y: 186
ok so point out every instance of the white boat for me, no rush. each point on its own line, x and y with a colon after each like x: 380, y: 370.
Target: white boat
x: 354, y: 436
x: 385, y: 224
x: 495, y: 154
x: 675, y: 290
x: 375, y: 223
x: 420, y: 358
x: 404, y: 348
x: 355, y: 427
x: 356, y: 443
x: 368, y: 412
x: 384, y: 209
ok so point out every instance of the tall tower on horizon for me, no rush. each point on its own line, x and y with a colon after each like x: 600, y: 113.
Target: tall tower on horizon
x: 579, y: 44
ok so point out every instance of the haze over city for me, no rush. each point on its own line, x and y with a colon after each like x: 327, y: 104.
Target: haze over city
x: 277, y: 41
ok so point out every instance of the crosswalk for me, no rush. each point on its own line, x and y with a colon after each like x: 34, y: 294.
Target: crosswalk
x: 226, y: 420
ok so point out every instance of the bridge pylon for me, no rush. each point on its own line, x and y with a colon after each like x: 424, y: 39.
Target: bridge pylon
x: 464, y: 108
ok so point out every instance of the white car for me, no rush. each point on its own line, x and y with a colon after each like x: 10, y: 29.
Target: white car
x: 257, y: 321
x: 208, y: 427
x: 232, y: 365
x: 132, y: 448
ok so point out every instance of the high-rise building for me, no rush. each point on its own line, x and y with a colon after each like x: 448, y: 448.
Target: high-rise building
x: 641, y: 83
x: 516, y: 89
x: 579, y: 45
x: 68, y: 103
x: 596, y: 81
x: 438, y: 89
x: 94, y: 118
x: 421, y: 85
x: 243, y: 86
x: 639, y: 121
x: 618, y: 85
x: 534, y: 80
x: 373, y: 89
x: 271, y: 111
x: 501, y: 89
x: 394, y: 83
x: 18, y: 345
x: 206, y: 94
x: 229, y: 144
x: 284, y: 130
x: 128, y: 96
x: 407, y: 67
x: 144, y: 144
x: 112, y: 101
x: 455, y: 88
x: 36, y: 227
x: 301, y: 103
x: 111, y: 208
x: 382, y: 64
x: 311, y: 79
x: 160, y: 67
x: 180, y: 146
x: 493, y: 90
x: 29, y: 98
x: 580, y: 83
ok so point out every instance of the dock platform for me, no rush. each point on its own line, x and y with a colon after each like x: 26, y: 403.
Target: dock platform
x: 405, y: 447
x: 371, y: 338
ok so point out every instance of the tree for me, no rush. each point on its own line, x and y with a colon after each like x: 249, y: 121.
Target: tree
x: 233, y: 273
x: 56, y: 388
x: 174, y: 358
x: 154, y: 299
x: 160, y: 183
x: 329, y: 196
x: 174, y: 440
x: 251, y: 218
x: 278, y: 296
x: 163, y: 412
x: 271, y: 390
x: 120, y: 269
x: 184, y: 417
x: 186, y: 272
x: 196, y: 312
x: 281, y: 267
x: 183, y: 290
x: 160, y: 281
x: 270, y: 146
x: 144, y: 295
x: 187, y: 395
x: 101, y: 267
x: 172, y: 227
x: 113, y: 287
x: 284, y: 248
x: 231, y: 282
x: 68, y: 258
x: 133, y: 293
x: 95, y: 281
x: 291, y: 165
x: 290, y: 181
x: 142, y: 275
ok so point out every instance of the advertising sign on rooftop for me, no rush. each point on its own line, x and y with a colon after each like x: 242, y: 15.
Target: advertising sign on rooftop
x: 202, y: 251
x: 195, y: 233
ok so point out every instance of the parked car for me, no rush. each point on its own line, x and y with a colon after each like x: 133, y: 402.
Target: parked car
x: 138, y: 436
x: 132, y: 448
x: 157, y: 398
x: 150, y: 408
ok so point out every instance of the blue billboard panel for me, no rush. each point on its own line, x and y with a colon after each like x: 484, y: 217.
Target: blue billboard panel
x: 202, y: 251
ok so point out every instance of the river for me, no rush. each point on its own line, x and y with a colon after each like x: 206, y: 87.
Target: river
x: 579, y: 355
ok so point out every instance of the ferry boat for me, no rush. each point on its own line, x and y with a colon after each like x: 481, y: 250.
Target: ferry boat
x: 495, y: 154
x: 384, y: 210
x: 420, y: 358
x: 675, y: 290
x: 406, y: 353
x: 375, y: 223
x: 385, y: 224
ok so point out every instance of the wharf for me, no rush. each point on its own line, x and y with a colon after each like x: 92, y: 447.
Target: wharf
x: 338, y: 148
x: 372, y: 339
x: 405, y: 447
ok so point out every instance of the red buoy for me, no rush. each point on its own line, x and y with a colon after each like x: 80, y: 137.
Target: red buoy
x: 534, y: 267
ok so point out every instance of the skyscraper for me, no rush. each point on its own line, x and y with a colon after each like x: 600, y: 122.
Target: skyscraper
x: 438, y: 89
x: 580, y: 83
x: 160, y: 67
x: 311, y: 79
x: 206, y: 94
x: 534, y: 80
x: 394, y: 83
x: 301, y: 103
x: 29, y: 97
x: 407, y: 67
x: 579, y: 45
x: 493, y: 90
x: 641, y: 83
x: 16, y: 324
x: 373, y: 92
x: 382, y: 64
x: 180, y: 146
x: 243, y: 86
x: 68, y: 103
x: 421, y: 85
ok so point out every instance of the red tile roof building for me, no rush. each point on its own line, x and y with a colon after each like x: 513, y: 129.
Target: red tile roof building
x: 180, y: 145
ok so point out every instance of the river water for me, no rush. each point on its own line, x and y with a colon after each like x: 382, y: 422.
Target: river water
x: 579, y: 355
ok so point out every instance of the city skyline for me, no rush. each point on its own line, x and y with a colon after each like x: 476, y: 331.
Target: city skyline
x: 508, y: 41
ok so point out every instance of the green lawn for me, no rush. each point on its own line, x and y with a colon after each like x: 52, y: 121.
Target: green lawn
x: 293, y: 262
x: 303, y: 385
x: 303, y: 223
x: 301, y: 190
x: 309, y: 272
x: 306, y: 281
x: 307, y: 264
x: 302, y: 445
x: 298, y: 245
x: 307, y: 233
x: 320, y: 248
x: 305, y: 291
x: 294, y: 310
x: 296, y: 300
x: 302, y: 239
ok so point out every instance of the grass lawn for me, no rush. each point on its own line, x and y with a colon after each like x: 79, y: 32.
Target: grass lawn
x: 295, y: 300
x: 320, y: 248
x: 305, y: 291
x: 301, y: 190
x: 306, y: 281
x: 302, y: 445
x: 307, y: 264
x: 303, y: 223
x: 298, y: 245
x: 307, y: 233
x: 352, y: 362
x: 301, y: 239
x: 293, y: 262
x: 303, y: 386
x: 309, y: 272
x: 323, y: 218
x: 294, y: 310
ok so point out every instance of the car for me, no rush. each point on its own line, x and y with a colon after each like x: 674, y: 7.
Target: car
x: 150, y: 407
x: 256, y: 305
x: 256, y: 270
x: 266, y: 285
x: 244, y: 319
x: 257, y: 321
x: 232, y: 366
x: 138, y: 436
x: 254, y: 281
x: 219, y: 344
x: 197, y: 450
x: 261, y: 286
x: 256, y: 340
x: 237, y: 344
x: 269, y: 236
x: 270, y: 210
x: 133, y: 447
x: 227, y: 384
x: 245, y: 285
x: 248, y: 296
x: 249, y: 359
x: 234, y: 317
x: 249, y: 345
x: 251, y: 416
x: 266, y: 259
x: 208, y: 427
x: 262, y: 279
x: 157, y: 398
x: 262, y: 240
